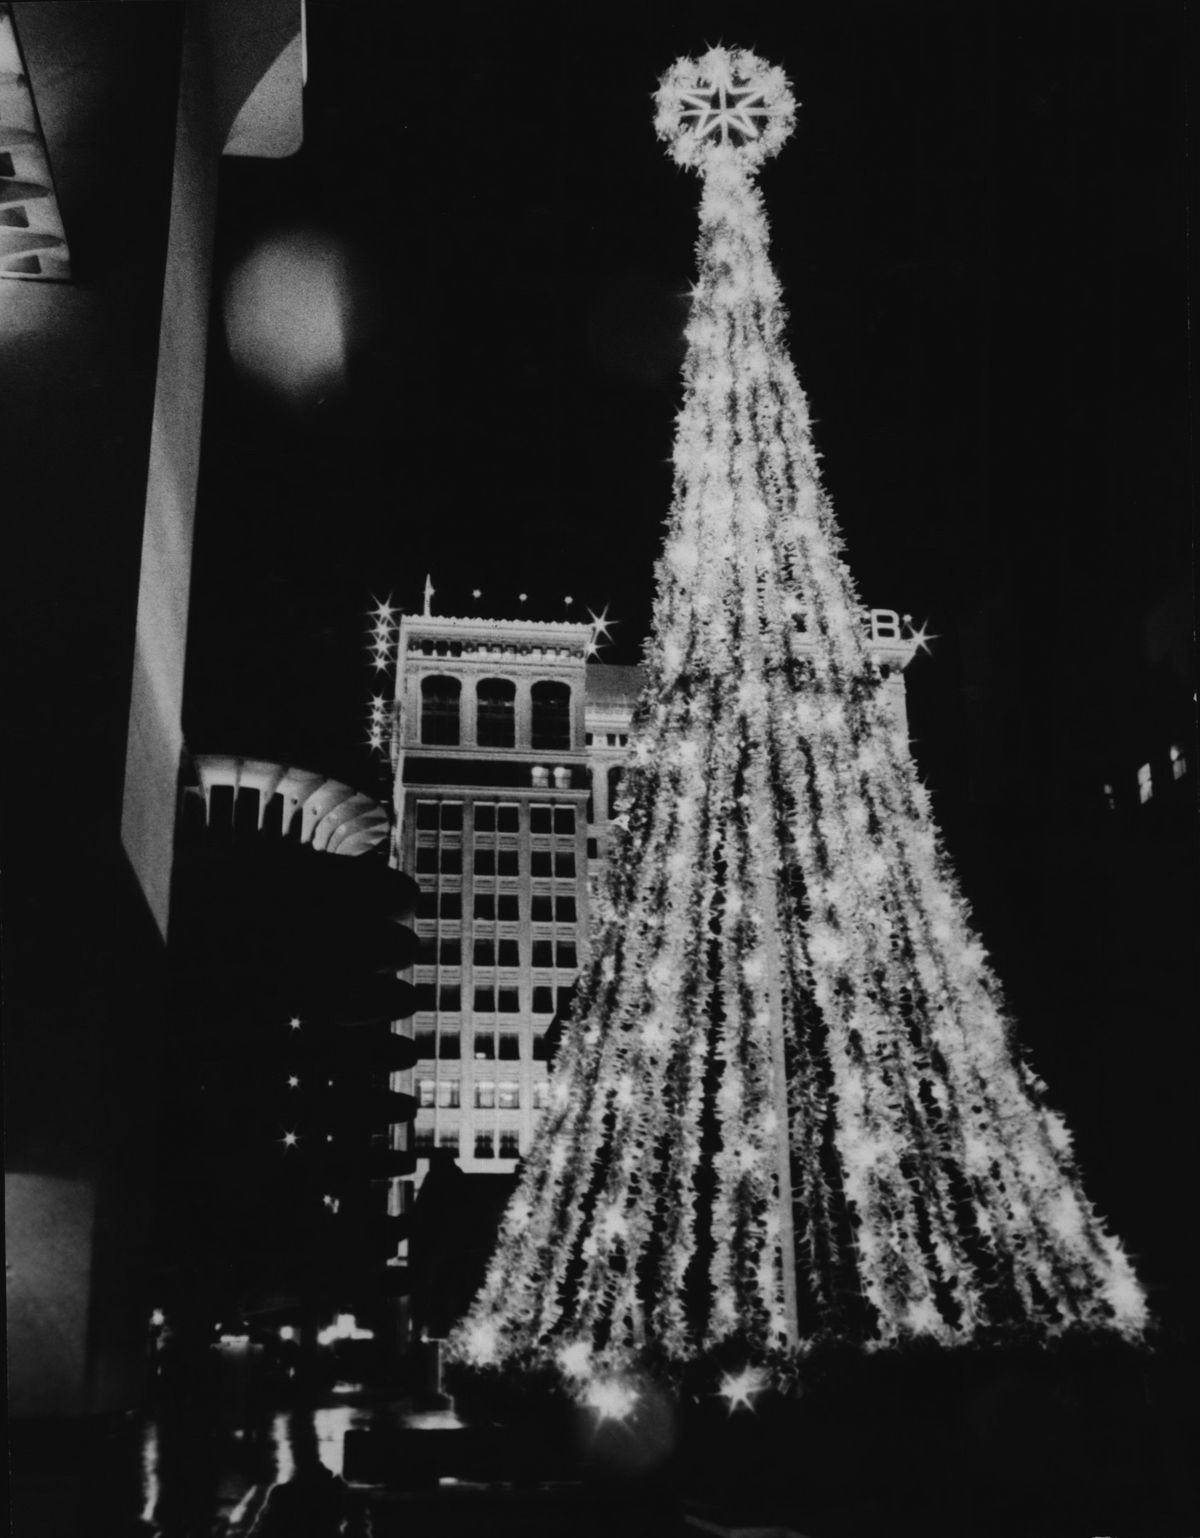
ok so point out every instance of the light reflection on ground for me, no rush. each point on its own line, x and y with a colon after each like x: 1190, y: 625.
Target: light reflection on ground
x: 246, y: 1460
x: 281, y: 1443
x: 331, y: 1426
x: 431, y: 1420
x: 150, y: 1485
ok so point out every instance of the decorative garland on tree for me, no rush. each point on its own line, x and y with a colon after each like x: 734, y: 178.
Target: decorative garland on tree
x: 789, y: 1107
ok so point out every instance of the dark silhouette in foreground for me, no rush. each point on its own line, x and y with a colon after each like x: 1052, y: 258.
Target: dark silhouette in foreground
x: 314, y: 1502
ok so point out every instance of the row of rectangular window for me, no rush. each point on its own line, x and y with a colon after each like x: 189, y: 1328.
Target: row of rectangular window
x: 545, y: 907
x: 497, y: 953
x: 493, y: 818
x: 489, y: 1094
x: 448, y: 861
x: 505, y: 817
x: 488, y: 1000
x: 446, y: 1045
x: 488, y: 1145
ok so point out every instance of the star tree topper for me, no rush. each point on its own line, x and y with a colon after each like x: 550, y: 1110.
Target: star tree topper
x: 729, y: 104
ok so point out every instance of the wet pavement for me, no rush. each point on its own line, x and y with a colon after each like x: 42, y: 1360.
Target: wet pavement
x: 195, y: 1470
x: 1041, y: 1454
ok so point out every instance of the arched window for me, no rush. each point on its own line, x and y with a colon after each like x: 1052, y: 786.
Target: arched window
x: 439, y: 711
x: 551, y: 726
x: 497, y: 714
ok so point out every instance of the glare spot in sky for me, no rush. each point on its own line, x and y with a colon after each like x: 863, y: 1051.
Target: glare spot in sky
x: 287, y: 312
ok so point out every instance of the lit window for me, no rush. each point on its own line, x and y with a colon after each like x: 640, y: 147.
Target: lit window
x: 496, y: 713
x: 510, y: 1145
x: 1110, y: 799
x: 439, y: 711
x: 508, y: 1096
x: 485, y: 1095
x: 425, y: 1092
x: 541, y: 1094
x: 1145, y: 784
x: 448, y: 1094
x: 1178, y: 762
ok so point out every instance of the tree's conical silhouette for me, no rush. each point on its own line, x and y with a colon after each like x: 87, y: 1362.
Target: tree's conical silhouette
x: 789, y: 1106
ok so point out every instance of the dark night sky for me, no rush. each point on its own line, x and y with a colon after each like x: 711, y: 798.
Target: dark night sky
x: 979, y: 224
x: 979, y: 228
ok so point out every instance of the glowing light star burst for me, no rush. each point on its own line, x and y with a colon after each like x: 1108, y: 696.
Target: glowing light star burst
x: 601, y: 630
x: 383, y: 631
x: 611, y: 1399
x: 739, y: 1388
x: 787, y: 1107
x: 922, y: 638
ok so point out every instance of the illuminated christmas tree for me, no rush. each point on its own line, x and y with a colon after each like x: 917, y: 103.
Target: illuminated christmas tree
x: 789, y: 1107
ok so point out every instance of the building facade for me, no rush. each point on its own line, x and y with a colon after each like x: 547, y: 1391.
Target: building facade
x: 509, y: 741
x: 499, y: 817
